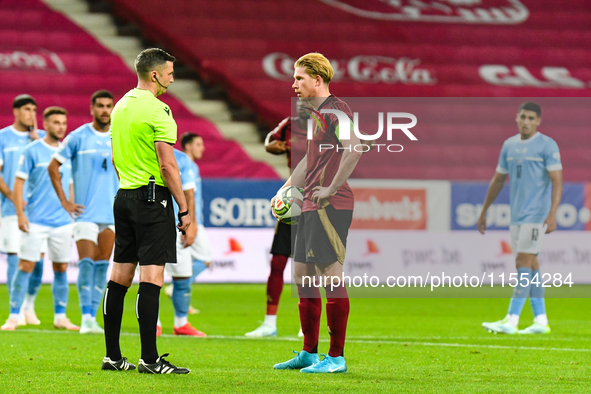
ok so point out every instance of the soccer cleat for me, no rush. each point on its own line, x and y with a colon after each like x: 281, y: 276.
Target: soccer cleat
x: 31, y: 318
x: 121, y: 365
x: 264, y: 330
x: 535, y: 328
x: 158, y: 330
x: 193, y: 311
x: 161, y: 366
x: 10, y: 325
x: 328, y: 365
x: 302, y: 360
x: 189, y: 331
x: 85, y: 327
x: 65, y: 324
x: 500, y: 327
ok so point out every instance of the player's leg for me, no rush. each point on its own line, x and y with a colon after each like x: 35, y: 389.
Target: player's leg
x: 28, y: 307
x: 106, y: 240
x: 10, y: 237
x: 59, y: 250
x: 85, y: 236
x: 32, y: 242
x: 181, y: 293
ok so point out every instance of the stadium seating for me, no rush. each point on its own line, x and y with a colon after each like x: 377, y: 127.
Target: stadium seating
x: 46, y: 55
x: 249, y: 48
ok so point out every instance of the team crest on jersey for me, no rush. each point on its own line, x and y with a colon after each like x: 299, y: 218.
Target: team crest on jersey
x: 446, y: 11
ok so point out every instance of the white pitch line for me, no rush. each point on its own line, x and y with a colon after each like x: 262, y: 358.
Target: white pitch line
x: 350, y: 340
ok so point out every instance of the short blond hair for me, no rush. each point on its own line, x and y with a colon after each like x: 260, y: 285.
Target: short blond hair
x: 316, y: 64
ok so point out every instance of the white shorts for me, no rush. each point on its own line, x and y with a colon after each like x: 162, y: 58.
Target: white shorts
x: 184, y: 264
x: 59, y: 243
x: 200, y: 248
x: 527, y: 237
x: 10, y: 235
x: 90, y: 231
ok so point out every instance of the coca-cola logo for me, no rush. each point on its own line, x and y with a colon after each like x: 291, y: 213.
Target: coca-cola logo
x: 367, y: 69
x: 41, y: 60
x: 449, y: 11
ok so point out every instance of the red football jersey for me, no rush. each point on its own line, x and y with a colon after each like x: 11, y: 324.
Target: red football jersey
x: 289, y: 130
x: 323, y: 165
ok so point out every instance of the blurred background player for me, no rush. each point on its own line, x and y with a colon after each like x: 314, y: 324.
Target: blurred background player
x: 278, y: 142
x: 194, y: 147
x: 43, y: 220
x: 13, y: 140
x: 324, y: 224
x: 532, y: 161
x: 95, y: 186
x: 182, y: 271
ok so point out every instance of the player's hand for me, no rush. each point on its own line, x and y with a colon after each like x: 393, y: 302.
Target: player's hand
x: 207, y: 264
x: 272, y: 205
x: 276, y: 147
x: 184, y: 223
x: 23, y: 223
x: 34, y: 134
x: 189, y: 237
x: 481, y: 224
x: 74, y: 210
x: 320, y: 193
x: 550, y: 223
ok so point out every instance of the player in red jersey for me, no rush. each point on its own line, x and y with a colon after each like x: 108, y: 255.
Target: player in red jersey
x: 326, y: 217
x: 279, y: 141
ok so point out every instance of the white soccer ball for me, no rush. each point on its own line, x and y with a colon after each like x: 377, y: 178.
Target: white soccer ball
x: 288, y: 204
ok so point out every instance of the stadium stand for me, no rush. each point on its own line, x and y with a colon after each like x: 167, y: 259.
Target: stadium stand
x: 506, y: 50
x: 46, y: 55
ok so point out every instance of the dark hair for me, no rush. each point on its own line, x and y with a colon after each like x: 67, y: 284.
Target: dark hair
x: 188, y: 137
x: 23, y: 99
x: 53, y: 111
x: 101, y: 94
x: 149, y: 59
x: 531, y: 106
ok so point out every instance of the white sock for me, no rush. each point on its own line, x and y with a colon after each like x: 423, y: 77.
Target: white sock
x: 271, y: 320
x: 513, y: 320
x: 58, y: 316
x: 13, y: 316
x: 541, y: 319
x: 29, y: 302
x: 87, y: 317
x: 180, y: 321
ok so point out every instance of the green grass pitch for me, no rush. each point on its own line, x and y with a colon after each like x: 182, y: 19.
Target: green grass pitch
x: 402, y: 345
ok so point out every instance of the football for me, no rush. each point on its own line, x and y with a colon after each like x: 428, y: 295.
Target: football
x: 288, y: 204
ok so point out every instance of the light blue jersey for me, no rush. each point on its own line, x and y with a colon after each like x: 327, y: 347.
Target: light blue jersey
x: 187, y: 176
x: 198, y: 193
x: 527, y: 162
x: 12, y: 144
x: 43, y: 207
x: 95, y: 179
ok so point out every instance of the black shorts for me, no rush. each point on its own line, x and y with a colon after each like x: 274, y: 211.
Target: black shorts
x: 284, y: 239
x: 144, y: 231
x: 322, y: 236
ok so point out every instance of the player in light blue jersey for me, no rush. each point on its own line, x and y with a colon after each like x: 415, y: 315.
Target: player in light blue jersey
x: 181, y: 272
x: 532, y: 161
x: 42, y: 221
x: 95, y: 186
x: 13, y: 140
x: 194, y: 147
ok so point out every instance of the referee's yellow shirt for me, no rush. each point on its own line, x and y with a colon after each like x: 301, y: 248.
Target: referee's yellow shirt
x: 139, y: 120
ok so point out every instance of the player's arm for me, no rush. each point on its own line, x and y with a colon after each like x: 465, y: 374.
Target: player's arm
x: 494, y: 188
x: 19, y: 204
x: 274, y: 146
x: 113, y: 161
x: 56, y: 181
x: 72, y: 197
x: 4, y: 189
x: 297, y: 178
x: 170, y: 172
x: 191, y: 232
x: 556, y: 179
x: 348, y: 162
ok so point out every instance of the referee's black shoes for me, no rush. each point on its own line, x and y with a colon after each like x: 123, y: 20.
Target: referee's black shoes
x: 121, y: 365
x: 161, y: 366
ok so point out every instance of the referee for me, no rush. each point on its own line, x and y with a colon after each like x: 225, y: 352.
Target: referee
x: 143, y: 133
